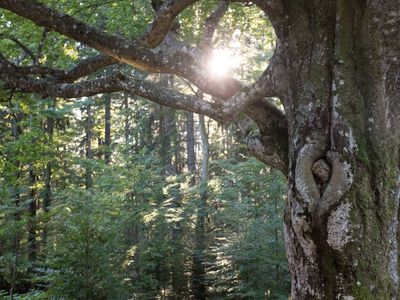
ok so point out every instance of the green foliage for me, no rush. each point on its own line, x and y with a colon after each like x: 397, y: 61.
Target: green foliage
x: 125, y: 234
x: 249, y: 254
x: 84, y: 258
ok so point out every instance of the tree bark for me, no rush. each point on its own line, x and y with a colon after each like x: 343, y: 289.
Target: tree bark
x: 341, y: 221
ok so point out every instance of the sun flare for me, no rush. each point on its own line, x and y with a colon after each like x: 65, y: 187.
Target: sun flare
x: 222, y: 62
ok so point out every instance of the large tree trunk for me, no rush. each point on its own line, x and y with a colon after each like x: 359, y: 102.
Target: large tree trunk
x: 342, y: 105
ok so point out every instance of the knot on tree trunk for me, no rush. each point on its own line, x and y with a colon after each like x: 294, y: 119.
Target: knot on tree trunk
x: 321, y: 178
x: 322, y: 171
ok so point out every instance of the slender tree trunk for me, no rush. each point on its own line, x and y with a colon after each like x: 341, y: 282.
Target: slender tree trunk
x: 100, y: 151
x: 277, y: 268
x: 167, y: 131
x: 49, y: 129
x: 179, y: 281
x: 149, y: 131
x: 125, y: 104
x: 178, y: 161
x: 190, y: 148
x: 342, y: 103
x: 32, y: 206
x: 199, y: 272
x: 107, y: 128
x: 89, y: 151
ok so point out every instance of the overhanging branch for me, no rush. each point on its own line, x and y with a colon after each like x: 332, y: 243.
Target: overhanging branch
x: 115, y: 83
x: 84, y: 68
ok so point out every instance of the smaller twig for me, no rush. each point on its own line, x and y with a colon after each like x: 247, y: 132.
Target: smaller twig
x: 41, y: 45
x: 20, y: 44
x: 94, y: 5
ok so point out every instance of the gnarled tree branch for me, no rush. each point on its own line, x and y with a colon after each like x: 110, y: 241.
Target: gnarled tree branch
x: 115, y: 83
x: 271, y: 144
x: 222, y: 112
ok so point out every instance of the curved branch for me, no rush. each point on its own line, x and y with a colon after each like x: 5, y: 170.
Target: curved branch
x: 271, y: 145
x: 200, y: 52
x: 275, y: 12
x: 266, y: 153
x: 87, y: 67
x: 163, y: 20
x: 21, y: 45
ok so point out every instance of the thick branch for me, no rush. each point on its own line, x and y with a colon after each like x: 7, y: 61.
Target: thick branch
x: 271, y: 144
x: 84, y: 68
x: 115, y: 83
x: 87, y: 67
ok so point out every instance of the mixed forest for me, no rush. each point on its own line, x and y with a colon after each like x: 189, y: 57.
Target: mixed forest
x: 112, y: 196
